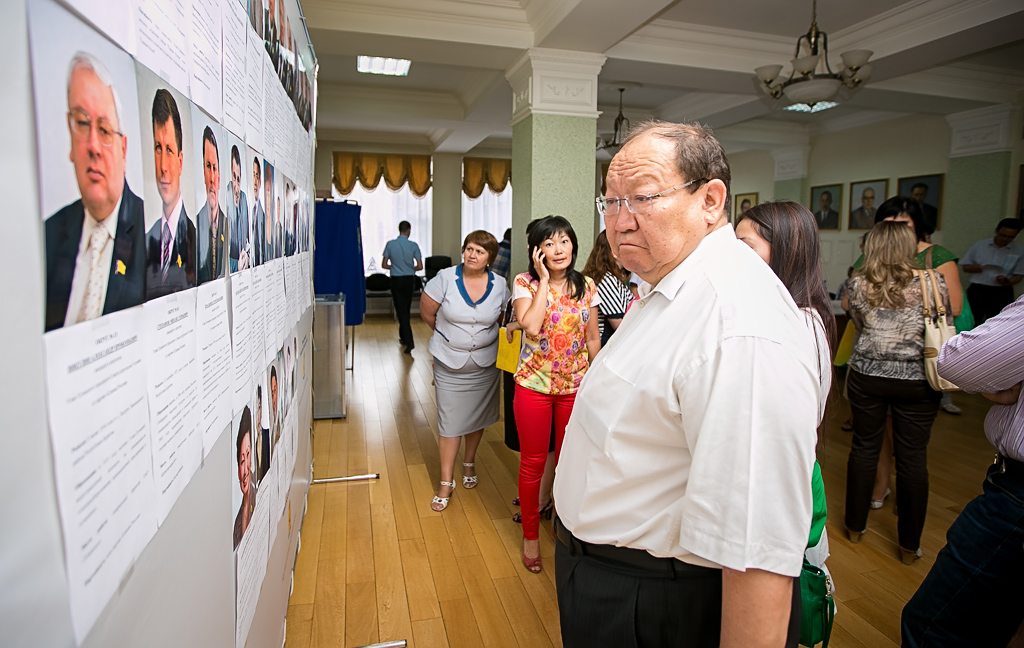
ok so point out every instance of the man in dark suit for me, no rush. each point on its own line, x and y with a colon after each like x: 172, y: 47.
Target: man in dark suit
x: 238, y: 213
x: 95, y: 247
x: 864, y: 216
x: 268, y: 201
x: 259, y: 215
x: 826, y: 217
x: 212, y: 225
x: 929, y: 213
x: 171, y: 242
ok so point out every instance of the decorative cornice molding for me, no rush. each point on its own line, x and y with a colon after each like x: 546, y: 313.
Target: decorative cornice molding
x: 699, y: 105
x: 917, y: 22
x: 791, y: 162
x: 445, y: 20
x: 961, y: 81
x: 717, y: 48
x: 981, y: 131
x: 554, y: 82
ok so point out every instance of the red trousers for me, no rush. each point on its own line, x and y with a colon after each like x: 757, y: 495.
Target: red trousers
x: 534, y: 412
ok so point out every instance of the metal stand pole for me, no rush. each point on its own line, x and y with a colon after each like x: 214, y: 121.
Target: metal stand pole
x: 334, y: 480
x: 352, y: 345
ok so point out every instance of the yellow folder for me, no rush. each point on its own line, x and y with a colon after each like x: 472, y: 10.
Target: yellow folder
x: 845, y: 346
x: 508, y: 352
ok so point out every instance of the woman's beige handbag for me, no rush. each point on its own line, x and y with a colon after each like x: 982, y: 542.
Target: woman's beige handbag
x: 936, y: 330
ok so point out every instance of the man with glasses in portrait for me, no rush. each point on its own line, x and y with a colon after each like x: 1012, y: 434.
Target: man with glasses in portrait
x: 95, y: 247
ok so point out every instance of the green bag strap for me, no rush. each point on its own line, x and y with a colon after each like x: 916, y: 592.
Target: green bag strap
x: 829, y: 616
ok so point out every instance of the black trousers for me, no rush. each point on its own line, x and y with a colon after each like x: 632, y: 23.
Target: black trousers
x: 606, y: 602
x: 914, y: 405
x: 402, y: 289
x: 987, y: 301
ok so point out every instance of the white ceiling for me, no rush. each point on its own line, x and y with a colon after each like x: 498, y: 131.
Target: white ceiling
x: 685, y: 59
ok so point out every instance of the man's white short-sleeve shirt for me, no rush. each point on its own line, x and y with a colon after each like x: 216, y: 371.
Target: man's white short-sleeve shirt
x: 693, y: 432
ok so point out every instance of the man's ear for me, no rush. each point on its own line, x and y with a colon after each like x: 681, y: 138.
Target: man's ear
x: 715, y: 193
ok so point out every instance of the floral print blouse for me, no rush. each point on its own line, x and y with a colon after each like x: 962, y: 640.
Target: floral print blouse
x: 555, y: 361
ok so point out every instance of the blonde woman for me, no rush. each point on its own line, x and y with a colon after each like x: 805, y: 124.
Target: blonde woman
x: 887, y: 373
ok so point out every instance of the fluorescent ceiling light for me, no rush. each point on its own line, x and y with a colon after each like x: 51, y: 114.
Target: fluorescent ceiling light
x: 818, y: 107
x: 381, y: 65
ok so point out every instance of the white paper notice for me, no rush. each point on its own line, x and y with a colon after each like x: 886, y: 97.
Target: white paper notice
x: 270, y: 84
x: 99, y: 424
x: 256, y: 314
x: 113, y: 17
x: 205, y: 56
x: 255, y: 53
x: 235, y: 24
x: 214, y: 344
x: 281, y: 304
x: 163, y: 40
x: 251, y: 567
x: 172, y: 382
x: 241, y: 322
x: 289, y: 292
x: 270, y: 344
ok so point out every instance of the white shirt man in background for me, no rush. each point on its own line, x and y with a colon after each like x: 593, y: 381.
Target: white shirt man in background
x: 996, y: 265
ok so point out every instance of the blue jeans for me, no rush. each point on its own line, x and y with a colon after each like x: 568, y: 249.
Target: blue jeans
x: 972, y: 595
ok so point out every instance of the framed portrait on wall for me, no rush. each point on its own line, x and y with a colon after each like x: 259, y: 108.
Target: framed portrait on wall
x: 825, y: 199
x: 865, y: 196
x: 741, y: 203
x: 927, y: 191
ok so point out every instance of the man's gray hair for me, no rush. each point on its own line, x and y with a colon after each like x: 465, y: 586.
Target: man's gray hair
x: 699, y: 155
x: 90, y: 62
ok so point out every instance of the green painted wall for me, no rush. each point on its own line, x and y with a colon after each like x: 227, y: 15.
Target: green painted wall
x: 975, y: 198
x: 790, y: 190
x: 553, y: 173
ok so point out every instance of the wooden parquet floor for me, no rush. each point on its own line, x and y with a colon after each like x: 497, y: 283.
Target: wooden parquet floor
x: 377, y: 564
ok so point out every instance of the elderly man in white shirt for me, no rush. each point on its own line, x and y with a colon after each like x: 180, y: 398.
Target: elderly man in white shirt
x: 684, y: 487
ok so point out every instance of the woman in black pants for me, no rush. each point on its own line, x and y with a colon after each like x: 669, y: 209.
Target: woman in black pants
x: 887, y: 372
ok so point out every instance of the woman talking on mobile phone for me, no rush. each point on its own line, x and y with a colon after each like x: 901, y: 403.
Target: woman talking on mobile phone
x: 556, y: 307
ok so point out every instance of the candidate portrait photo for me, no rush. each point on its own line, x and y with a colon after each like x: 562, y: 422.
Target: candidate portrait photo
x: 90, y: 171
x: 166, y: 136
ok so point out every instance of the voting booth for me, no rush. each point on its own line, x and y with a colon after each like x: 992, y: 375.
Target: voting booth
x: 158, y: 158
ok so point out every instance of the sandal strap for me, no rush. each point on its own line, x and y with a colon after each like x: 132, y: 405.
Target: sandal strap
x: 440, y: 500
x: 468, y: 465
x: 451, y: 483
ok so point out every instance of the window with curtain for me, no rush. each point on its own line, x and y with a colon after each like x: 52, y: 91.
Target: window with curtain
x: 491, y: 212
x: 383, y: 210
x: 486, y: 195
x: 406, y: 196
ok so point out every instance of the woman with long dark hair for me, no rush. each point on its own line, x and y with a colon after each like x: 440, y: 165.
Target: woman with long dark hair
x: 556, y: 306
x: 785, y: 235
x: 887, y: 373
x: 612, y: 284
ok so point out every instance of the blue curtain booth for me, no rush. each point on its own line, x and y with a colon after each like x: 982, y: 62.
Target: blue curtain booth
x: 338, y: 258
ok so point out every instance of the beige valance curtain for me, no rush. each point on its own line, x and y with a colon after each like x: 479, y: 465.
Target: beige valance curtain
x: 369, y: 168
x: 495, y: 173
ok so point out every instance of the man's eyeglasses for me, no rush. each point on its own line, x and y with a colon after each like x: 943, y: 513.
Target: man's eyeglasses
x: 81, y: 125
x: 637, y: 204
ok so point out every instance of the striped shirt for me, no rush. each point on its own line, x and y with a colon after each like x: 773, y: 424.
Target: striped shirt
x: 991, y: 359
x: 615, y: 298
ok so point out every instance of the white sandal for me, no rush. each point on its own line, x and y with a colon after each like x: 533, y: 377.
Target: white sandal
x: 468, y: 482
x: 443, y: 501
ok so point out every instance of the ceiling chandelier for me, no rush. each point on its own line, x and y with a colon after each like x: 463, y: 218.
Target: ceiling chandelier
x: 621, y: 127
x: 812, y: 80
